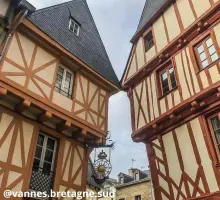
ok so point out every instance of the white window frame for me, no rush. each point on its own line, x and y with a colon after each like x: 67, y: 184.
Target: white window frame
x: 73, y: 23
x: 136, y: 176
x: 121, y: 180
x: 44, y: 148
x: 63, y: 79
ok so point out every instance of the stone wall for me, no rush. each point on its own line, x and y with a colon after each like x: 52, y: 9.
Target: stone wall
x: 129, y: 192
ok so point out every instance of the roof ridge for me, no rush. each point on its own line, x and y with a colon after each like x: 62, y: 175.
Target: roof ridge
x: 54, y: 6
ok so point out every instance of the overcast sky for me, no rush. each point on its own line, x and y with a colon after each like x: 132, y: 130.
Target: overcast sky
x: 116, y: 21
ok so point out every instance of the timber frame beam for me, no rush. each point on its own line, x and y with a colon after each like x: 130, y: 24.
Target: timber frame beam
x: 196, y: 29
x: 194, y: 107
x: 47, y: 112
x: 21, y: 107
x: 3, y: 92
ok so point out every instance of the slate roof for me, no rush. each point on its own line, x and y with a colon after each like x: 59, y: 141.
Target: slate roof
x: 88, y: 46
x: 150, y: 9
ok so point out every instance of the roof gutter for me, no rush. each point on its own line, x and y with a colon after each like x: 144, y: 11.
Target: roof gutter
x: 19, y: 19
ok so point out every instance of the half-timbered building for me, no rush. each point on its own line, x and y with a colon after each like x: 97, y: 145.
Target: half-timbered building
x: 172, y: 79
x: 55, y: 83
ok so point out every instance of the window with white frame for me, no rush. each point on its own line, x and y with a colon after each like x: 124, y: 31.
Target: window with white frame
x: 74, y: 26
x: 136, y: 177
x: 45, y: 153
x: 64, y: 82
x: 121, y: 180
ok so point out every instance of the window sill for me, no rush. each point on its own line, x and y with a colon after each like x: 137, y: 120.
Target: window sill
x: 209, y: 66
x: 174, y: 89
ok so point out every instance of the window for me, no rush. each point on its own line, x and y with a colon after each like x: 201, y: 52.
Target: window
x: 136, y: 176
x: 64, y: 82
x: 148, y: 41
x: 45, y: 153
x: 138, y: 197
x: 44, y: 161
x: 206, y: 52
x: 167, y: 80
x: 215, y: 129
x: 121, y: 180
x: 74, y: 27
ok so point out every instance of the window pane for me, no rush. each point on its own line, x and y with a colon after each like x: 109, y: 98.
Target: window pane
x: 203, y: 56
x: 173, y: 80
x: 149, y: 41
x: 215, y: 123
x: 164, y: 76
x: 40, y: 140
x: 38, y: 152
x: 165, y: 90
x: 214, y: 57
x: 200, y: 49
x: 50, y: 144
x: 76, y: 26
x: 209, y: 42
x: 212, y: 50
x: 217, y: 135
x: 59, y: 78
x: 205, y: 63
x: 68, y: 76
x: 36, y: 163
x: 49, y: 156
x: 171, y: 70
x: 47, y: 167
x: 60, y: 71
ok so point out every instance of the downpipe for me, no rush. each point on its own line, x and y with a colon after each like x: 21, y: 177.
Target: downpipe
x: 10, y: 33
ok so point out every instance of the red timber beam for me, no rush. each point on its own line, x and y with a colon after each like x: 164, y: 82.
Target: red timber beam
x: 187, y: 110
x: 199, y: 26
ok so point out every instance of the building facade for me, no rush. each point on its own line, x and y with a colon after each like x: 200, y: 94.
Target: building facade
x: 136, y: 185
x: 55, y: 82
x: 108, y: 189
x: 173, y: 83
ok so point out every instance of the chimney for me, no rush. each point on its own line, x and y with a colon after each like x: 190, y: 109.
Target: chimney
x: 130, y: 172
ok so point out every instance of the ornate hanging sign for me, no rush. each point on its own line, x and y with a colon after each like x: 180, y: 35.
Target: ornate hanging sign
x: 102, y: 161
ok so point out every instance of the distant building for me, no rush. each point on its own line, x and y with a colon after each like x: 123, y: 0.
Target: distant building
x: 136, y: 185
x: 109, y: 187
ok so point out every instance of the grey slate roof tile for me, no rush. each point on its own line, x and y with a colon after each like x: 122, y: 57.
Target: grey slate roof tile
x: 150, y: 9
x: 88, y: 46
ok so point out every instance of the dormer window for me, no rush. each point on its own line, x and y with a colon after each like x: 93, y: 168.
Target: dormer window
x: 148, y: 41
x: 121, y: 180
x: 74, y: 27
x: 136, y: 177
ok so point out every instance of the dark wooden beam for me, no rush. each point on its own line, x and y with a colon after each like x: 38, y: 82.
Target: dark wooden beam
x: 22, y: 106
x: 81, y: 133
x: 196, y: 105
x: 218, y: 92
x: 63, y: 126
x: 45, y: 116
x: 3, y: 92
